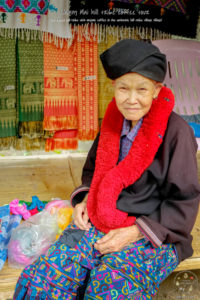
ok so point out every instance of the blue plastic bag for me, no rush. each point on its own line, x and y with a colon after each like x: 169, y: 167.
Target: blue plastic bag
x: 7, y: 224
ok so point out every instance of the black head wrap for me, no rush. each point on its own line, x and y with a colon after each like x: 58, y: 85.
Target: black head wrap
x: 131, y: 55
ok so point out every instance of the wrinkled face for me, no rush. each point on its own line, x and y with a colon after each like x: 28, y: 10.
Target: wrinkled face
x: 134, y: 94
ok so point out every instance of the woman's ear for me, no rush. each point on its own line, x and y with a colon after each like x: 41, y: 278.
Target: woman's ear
x: 158, y: 87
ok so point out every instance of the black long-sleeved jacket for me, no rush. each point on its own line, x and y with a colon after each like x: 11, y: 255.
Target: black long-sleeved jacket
x: 165, y: 199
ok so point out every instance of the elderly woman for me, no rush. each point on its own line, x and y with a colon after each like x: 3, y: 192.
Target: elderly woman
x: 135, y: 209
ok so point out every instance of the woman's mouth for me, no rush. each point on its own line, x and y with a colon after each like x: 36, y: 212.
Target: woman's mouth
x: 132, y: 108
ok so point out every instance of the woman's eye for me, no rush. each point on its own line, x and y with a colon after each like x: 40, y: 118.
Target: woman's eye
x: 123, y: 88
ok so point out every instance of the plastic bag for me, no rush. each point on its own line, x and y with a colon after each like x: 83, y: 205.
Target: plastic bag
x: 64, y: 217
x: 64, y: 212
x: 31, y: 239
x: 7, y: 224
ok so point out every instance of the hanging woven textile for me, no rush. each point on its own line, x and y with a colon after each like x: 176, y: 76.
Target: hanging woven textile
x: 30, y: 87
x: 172, y: 16
x: 178, y: 17
x: 174, y: 5
x: 87, y: 67
x: 60, y: 96
x: 18, y: 17
x: 105, y: 89
x: 26, y: 6
x: 8, y: 118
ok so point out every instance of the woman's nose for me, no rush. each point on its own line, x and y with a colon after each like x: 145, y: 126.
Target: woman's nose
x: 132, y: 97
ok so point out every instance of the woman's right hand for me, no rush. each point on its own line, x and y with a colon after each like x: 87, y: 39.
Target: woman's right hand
x: 81, y: 218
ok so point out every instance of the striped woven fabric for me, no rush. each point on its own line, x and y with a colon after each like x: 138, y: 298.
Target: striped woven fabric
x: 30, y: 80
x: 175, y: 5
x: 60, y: 95
x: 71, y: 90
x: 26, y: 6
x: 87, y: 68
x: 8, y: 116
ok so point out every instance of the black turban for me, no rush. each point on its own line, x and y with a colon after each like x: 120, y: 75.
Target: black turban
x: 130, y: 55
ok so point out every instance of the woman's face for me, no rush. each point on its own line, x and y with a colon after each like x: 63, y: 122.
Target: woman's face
x: 134, y: 94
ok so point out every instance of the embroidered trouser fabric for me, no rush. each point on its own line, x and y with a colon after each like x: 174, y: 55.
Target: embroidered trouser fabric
x: 76, y: 270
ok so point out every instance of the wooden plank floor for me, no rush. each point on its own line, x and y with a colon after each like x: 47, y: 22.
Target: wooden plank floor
x: 47, y: 178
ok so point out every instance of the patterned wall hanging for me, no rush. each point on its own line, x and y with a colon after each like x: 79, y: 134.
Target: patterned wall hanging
x: 26, y: 6
x: 105, y: 87
x: 8, y: 91
x: 49, y: 16
x: 178, y: 17
x: 30, y: 80
x: 87, y: 68
x: 60, y: 96
x: 175, y: 5
x: 71, y: 90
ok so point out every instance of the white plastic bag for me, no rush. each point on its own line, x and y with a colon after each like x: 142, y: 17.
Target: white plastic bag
x: 32, y: 238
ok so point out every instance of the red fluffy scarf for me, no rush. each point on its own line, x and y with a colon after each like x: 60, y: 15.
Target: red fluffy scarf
x: 109, y: 177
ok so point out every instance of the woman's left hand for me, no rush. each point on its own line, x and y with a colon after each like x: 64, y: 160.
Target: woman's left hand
x: 117, y: 239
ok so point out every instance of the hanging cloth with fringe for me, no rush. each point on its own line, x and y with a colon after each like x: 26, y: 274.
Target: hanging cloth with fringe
x: 178, y: 17
x: 60, y: 96
x: 71, y: 89
x: 51, y: 16
x: 87, y: 68
x: 26, y: 6
x: 30, y: 87
x: 174, y: 5
x: 105, y: 87
x: 8, y: 116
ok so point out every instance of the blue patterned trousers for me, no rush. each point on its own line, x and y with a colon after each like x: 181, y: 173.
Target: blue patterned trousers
x: 79, y: 271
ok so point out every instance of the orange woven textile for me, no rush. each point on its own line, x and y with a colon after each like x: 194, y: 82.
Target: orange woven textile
x: 60, y: 95
x: 64, y: 139
x: 87, y: 67
x: 71, y: 90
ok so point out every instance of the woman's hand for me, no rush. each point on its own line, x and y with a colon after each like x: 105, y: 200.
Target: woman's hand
x: 117, y: 239
x: 81, y: 215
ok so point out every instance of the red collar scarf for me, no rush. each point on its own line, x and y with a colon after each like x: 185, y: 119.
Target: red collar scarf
x: 109, y: 177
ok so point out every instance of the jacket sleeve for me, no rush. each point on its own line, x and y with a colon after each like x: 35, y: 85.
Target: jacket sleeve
x: 87, y: 174
x: 174, y: 219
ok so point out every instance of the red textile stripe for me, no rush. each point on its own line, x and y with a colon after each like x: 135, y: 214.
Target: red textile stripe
x: 60, y: 96
x: 64, y: 139
x: 71, y: 87
x: 87, y: 68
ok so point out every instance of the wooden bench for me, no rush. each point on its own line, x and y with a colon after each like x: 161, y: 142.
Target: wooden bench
x: 49, y: 178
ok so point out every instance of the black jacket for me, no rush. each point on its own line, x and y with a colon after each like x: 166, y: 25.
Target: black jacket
x: 165, y: 199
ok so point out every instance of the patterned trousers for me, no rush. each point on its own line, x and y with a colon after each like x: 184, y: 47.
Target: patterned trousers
x: 74, y: 269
